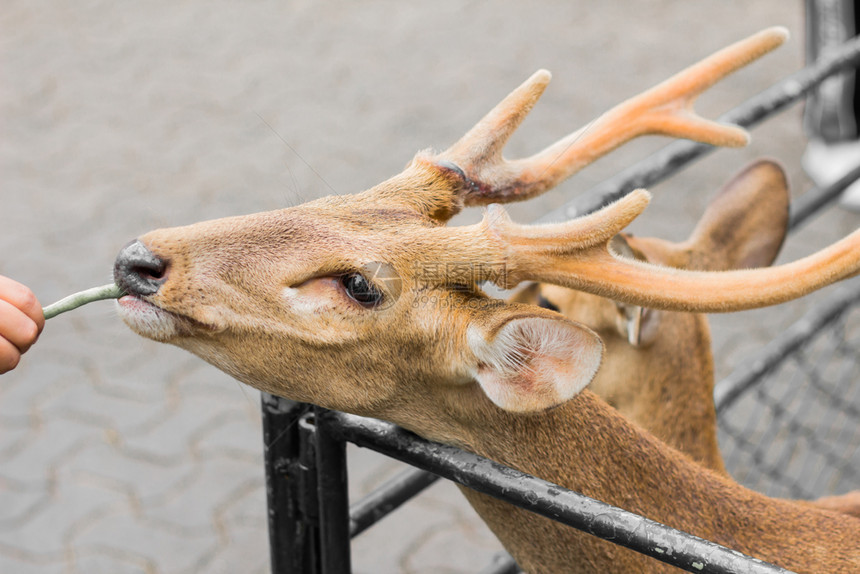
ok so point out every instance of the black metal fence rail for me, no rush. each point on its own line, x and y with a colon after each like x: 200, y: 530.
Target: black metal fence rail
x: 310, y: 528
x: 542, y: 497
x: 387, y: 498
x: 310, y: 521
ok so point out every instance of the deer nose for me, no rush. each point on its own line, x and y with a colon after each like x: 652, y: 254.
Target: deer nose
x: 138, y: 271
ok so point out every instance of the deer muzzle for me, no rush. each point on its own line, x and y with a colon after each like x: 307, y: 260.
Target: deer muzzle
x: 138, y: 271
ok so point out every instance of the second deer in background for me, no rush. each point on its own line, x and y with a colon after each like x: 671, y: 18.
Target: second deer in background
x: 658, y: 368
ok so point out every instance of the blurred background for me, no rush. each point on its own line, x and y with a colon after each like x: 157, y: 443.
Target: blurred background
x: 121, y: 455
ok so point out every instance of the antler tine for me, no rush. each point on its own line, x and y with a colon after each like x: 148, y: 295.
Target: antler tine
x: 665, y: 109
x: 487, y: 138
x: 647, y: 285
x: 563, y: 239
x: 576, y: 254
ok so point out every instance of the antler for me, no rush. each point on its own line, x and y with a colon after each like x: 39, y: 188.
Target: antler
x: 577, y: 254
x: 665, y: 109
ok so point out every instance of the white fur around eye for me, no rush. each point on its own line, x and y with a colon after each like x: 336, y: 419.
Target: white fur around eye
x: 316, y: 295
x: 303, y: 300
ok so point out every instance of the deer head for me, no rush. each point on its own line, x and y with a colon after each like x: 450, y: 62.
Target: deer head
x: 658, y: 366
x: 369, y: 304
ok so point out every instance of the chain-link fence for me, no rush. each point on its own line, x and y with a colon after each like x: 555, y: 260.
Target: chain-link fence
x: 790, y: 420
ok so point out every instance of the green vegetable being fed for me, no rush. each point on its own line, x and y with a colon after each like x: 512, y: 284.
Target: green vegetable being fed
x: 82, y: 298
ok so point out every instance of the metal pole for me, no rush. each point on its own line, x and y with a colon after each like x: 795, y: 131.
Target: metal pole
x: 308, y: 493
x: 333, y: 497
x: 815, y: 199
x: 291, y: 537
x: 387, y: 498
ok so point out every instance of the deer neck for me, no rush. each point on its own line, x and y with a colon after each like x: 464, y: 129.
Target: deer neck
x: 667, y: 387
x: 664, y: 382
x: 586, y: 446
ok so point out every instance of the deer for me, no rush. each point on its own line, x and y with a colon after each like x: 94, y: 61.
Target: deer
x: 658, y: 366
x: 369, y: 304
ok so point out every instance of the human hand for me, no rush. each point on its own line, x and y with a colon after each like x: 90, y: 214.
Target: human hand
x: 21, y: 321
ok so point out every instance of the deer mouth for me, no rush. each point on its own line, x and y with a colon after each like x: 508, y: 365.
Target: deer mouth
x: 149, y: 320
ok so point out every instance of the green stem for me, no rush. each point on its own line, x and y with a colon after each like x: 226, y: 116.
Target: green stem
x: 82, y: 298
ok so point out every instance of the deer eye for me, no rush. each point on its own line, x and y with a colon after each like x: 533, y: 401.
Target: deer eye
x: 361, y: 290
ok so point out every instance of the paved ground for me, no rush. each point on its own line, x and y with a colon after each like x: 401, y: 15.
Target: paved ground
x: 120, y: 455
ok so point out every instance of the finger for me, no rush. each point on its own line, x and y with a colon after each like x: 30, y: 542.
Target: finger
x: 10, y: 356
x: 16, y: 327
x: 23, y: 298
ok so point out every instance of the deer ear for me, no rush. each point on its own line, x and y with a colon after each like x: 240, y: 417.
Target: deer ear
x: 529, y: 360
x: 745, y: 224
